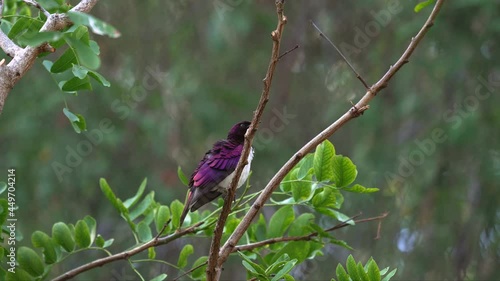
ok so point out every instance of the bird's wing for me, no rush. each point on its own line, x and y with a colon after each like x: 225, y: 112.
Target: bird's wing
x: 217, y: 164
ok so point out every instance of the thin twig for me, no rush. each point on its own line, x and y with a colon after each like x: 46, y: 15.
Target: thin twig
x: 289, y: 51
x: 38, y: 6
x: 307, y: 237
x: 126, y: 254
x: 162, y: 229
x: 214, y: 263
x: 227, y: 248
x: 341, y: 54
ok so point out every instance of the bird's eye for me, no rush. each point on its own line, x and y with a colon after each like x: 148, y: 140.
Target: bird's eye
x: 242, y: 125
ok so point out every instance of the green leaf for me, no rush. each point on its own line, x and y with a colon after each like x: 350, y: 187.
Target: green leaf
x: 91, y: 223
x: 99, y: 78
x: 286, y: 184
x: 357, y: 188
x: 362, y: 273
x: 18, y: 275
x: 373, y: 271
x: 4, y: 211
x: 76, y: 84
x: 77, y: 120
x: 151, y: 253
x: 296, y: 250
x: 79, y: 71
x: 390, y: 275
x: 300, y: 225
x: 302, y: 189
x: 176, y: 209
x: 30, y: 261
x: 65, y: 62
x: 352, y: 268
x: 344, y: 171
x: 133, y: 200
x: 162, y: 217
x: 341, y: 243
x: 82, y: 234
x: 3, y: 187
x: 143, y: 206
x: 19, y: 27
x: 182, y: 176
x: 306, y: 165
x: 108, y: 243
x: 280, y: 221
x: 40, y: 239
x: 200, y: 272
x: 62, y: 236
x: 160, y: 277
x: 109, y: 194
x: 252, y: 266
x: 183, y: 256
x: 98, y: 27
x: 37, y: 38
x: 422, y: 5
x: 286, y: 268
x: 86, y: 56
x: 341, y: 273
x: 99, y: 241
x: 144, y: 232
x: 328, y: 198
x: 323, y: 161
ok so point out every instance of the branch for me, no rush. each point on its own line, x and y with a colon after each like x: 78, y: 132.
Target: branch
x: 310, y: 236
x: 352, y: 113
x: 38, y: 6
x: 127, y: 254
x: 213, y: 270
x: 24, y: 58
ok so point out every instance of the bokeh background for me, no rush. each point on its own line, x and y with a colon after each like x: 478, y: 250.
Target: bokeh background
x: 184, y: 71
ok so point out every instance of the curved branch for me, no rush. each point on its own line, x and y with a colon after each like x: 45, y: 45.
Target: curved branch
x: 127, y: 254
x: 214, y: 265
x: 352, y: 113
x: 24, y: 58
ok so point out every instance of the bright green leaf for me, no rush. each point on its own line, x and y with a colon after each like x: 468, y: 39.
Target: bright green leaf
x: 341, y: 273
x: 79, y: 71
x: 82, y: 234
x: 99, y: 241
x: 352, y: 268
x: 37, y: 38
x: 302, y: 189
x: 40, y: 239
x: 182, y: 176
x: 306, y: 164
x: 176, y: 209
x: 91, y: 223
x: 162, y: 217
x: 344, y: 171
x: 143, y: 206
x: 422, y: 5
x: 133, y: 200
x: 361, y: 272
x: 280, y: 221
x: 300, y: 225
x: 323, y: 161
x: 62, y: 236
x: 390, y: 275
x: 99, y: 78
x: 144, y: 232
x: 30, y: 261
x: 286, y: 268
x: 357, y: 188
x: 160, y: 277
x: 199, y: 272
x: 183, y: 256
x: 151, y: 253
x: 373, y: 271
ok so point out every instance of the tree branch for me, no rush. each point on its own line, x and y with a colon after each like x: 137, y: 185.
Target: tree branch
x: 24, y: 58
x: 127, y: 254
x: 352, y: 113
x: 213, y: 270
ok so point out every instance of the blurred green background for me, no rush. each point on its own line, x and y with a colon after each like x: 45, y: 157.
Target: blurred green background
x: 184, y: 71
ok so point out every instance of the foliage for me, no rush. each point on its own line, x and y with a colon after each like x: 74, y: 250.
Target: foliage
x: 76, y: 66
x: 317, y: 182
x: 356, y: 271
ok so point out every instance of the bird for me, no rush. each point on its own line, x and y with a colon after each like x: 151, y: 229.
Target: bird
x: 215, y: 172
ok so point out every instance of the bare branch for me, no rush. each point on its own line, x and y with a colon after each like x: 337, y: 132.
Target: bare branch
x: 127, y: 254
x: 289, y: 51
x: 38, y: 6
x: 24, y: 58
x: 342, y: 55
x: 230, y: 244
x: 214, y: 263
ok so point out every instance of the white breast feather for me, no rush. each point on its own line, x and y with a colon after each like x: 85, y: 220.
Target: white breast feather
x: 226, y: 183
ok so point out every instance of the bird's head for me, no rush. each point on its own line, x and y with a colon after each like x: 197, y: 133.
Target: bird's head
x: 237, y: 132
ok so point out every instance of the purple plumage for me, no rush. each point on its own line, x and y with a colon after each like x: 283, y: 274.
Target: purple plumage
x: 215, y: 171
